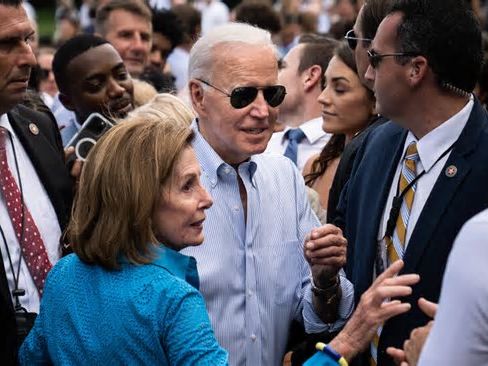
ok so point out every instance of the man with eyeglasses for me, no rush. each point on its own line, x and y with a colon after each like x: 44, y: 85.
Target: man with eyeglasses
x: 254, y: 276
x: 359, y: 40
x: 420, y: 177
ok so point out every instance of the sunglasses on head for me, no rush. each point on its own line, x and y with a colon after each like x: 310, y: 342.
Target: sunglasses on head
x: 352, y: 40
x: 375, y: 57
x: 242, y: 96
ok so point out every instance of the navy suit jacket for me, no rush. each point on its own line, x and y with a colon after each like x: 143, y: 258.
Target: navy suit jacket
x: 46, y: 154
x: 452, y: 202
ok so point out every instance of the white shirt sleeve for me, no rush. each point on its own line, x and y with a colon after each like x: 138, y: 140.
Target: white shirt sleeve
x: 460, y: 332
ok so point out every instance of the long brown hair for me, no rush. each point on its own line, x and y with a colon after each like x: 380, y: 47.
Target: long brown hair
x: 335, y: 146
x: 333, y: 149
x: 119, y: 187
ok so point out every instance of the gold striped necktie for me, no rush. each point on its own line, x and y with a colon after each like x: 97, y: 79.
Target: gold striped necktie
x: 395, y: 246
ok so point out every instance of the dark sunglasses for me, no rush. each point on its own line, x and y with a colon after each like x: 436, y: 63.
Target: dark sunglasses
x: 352, y: 40
x: 44, y: 73
x: 375, y: 57
x: 242, y: 96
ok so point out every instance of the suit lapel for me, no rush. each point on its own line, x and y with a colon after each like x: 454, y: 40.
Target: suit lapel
x: 46, y: 159
x: 36, y: 146
x: 394, y: 149
x: 444, y: 189
x: 380, y: 174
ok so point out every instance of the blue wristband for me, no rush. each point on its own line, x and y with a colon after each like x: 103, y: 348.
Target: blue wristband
x: 332, y: 353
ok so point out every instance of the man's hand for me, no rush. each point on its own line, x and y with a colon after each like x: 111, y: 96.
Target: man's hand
x: 409, y: 355
x: 326, y: 245
x: 375, y: 307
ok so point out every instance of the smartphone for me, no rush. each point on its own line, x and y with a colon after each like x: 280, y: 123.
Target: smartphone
x: 91, y: 130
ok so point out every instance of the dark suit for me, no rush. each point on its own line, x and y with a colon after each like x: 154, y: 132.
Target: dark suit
x: 344, y: 168
x: 453, y: 200
x: 46, y: 154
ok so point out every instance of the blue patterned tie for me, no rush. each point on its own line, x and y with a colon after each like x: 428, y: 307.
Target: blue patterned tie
x: 294, y: 136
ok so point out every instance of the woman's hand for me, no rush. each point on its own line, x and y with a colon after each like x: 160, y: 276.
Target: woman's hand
x: 375, y: 307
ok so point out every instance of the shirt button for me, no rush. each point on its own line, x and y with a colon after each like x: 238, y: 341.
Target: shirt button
x: 250, y: 293
x: 253, y: 337
x: 236, y: 208
x: 226, y: 170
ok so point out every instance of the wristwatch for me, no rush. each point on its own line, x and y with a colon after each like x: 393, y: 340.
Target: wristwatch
x: 330, y: 293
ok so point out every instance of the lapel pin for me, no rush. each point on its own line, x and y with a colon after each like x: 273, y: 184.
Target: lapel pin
x: 34, y: 129
x: 451, y: 171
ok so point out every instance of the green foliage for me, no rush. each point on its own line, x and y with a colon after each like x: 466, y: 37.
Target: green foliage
x: 45, y: 20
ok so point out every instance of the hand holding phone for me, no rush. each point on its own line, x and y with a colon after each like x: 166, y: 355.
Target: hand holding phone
x: 92, y: 129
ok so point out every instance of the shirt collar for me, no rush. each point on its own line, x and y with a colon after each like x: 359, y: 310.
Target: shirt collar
x: 5, y: 123
x: 436, y: 142
x: 211, y: 163
x: 312, y: 129
x: 180, y: 265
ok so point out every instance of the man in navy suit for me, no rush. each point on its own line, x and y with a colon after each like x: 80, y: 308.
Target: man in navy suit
x: 30, y: 146
x: 424, y: 63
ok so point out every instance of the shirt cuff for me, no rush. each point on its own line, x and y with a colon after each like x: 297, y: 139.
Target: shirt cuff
x: 312, y: 322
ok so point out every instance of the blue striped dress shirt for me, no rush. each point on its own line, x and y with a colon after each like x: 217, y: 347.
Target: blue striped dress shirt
x: 253, y: 275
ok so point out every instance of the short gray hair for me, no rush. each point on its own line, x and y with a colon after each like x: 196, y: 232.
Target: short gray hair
x: 200, y: 64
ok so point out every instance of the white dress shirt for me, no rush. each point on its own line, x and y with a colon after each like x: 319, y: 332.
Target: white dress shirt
x: 42, y: 211
x: 313, y: 143
x: 460, y: 332
x: 430, y: 148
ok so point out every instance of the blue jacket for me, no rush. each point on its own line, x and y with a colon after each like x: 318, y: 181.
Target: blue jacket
x: 139, y: 315
x: 452, y: 202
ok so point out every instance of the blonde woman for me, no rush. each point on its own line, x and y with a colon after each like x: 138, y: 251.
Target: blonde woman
x: 166, y: 104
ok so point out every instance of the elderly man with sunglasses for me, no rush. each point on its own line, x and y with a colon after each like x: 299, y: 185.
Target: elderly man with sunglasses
x: 254, y: 276
x: 418, y: 178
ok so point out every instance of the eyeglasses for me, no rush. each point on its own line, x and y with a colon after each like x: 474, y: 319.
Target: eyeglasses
x: 375, y: 57
x: 44, y: 73
x: 242, y: 96
x: 352, y: 40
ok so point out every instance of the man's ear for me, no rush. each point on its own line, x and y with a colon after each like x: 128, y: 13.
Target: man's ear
x: 66, y: 101
x: 312, y: 77
x: 197, y: 97
x: 417, y: 71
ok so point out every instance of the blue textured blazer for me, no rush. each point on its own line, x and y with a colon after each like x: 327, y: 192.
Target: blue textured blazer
x: 451, y: 203
x: 149, y: 314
